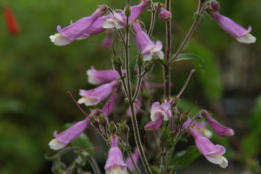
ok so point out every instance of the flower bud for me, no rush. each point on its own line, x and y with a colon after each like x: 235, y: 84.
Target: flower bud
x: 112, y: 127
x: 140, y: 61
x: 94, y: 122
x: 164, y: 15
x: 184, y: 118
x: 148, y: 67
x: 103, y: 9
x: 124, y: 128
x: 103, y: 120
x: 127, y: 10
x: 117, y: 62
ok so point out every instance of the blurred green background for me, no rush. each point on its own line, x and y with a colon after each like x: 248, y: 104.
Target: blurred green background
x: 35, y: 74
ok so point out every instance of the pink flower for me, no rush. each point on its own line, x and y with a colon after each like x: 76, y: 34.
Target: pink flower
x: 164, y: 15
x: 70, y: 134
x: 136, y: 10
x: 107, y: 42
x: 218, y: 128
x: 147, y: 47
x: 115, y: 163
x: 97, y: 77
x: 94, y: 96
x: 137, y: 106
x: 136, y: 156
x: 201, y: 127
x: 158, y: 114
x: 77, y: 29
x: 213, y: 153
x: 108, y: 107
x: 241, y: 34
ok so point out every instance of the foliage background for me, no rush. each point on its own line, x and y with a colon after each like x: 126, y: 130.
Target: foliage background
x: 35, y: 74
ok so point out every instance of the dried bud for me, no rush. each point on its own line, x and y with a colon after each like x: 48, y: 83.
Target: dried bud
x: 103, y: 9
x: 112, y: 127
x: 148, y: 67
x: 124, y: 128
x: 117, y: 62
x: 127, y: 10
x: 140, y: 61
x: 102, y: 120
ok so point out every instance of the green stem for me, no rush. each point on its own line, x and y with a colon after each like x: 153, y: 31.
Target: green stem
x: 133, y: 162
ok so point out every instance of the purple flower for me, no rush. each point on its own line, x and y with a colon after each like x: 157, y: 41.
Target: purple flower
x: 147, y: 47
x: 153, y: 125
x: 136, y: 10
x: 101, y: 76
x: 213, y: 153
x: 218, y: 128
x: 94, y: 96
x: 77, y: 29
x: 117, y: 20
x: 136, y: 156
x: 107, y: 42
x: 115, y: 163
x: 137, y: 106
x: 241, y: 34
x: 164, y: 15
x: 201, y: 127
x: 108, y: 107
x: 70, y: 134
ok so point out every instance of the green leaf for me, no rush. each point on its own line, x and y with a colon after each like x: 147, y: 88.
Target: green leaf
x: 210, y: 77
x: 184, y: 158
x: 189, y: 56
x: 83, y: 142
x: 132, y: 67
x: 255, y: 121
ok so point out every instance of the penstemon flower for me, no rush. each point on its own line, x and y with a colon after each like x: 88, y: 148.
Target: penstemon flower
x: 115, y: 163
x: 94, y: 96
x: 77, y: 29
x: 136, y: 156
x: 147, y: 47
x: 213, y: 153
x: 164, y: 15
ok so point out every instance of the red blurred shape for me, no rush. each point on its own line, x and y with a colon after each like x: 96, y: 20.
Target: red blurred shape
x: 11, y: 22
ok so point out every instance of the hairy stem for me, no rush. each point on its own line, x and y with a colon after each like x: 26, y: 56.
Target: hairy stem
x: 152, y: 22
x: 199, y: 12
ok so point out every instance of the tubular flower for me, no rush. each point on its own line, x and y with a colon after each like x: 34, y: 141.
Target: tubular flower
x: 241, y: 34
x: 158, y: 114
x: 136, y: 10
x: 70, y: 134
x: 218, y: 128
x: 107, y: 42
x: 77, y: 29
x: 213, y: 153
x: 115, y: 163
x: 147, y: 47
x: 164, y: 15
x: 136, y: 156
x: 11, y: 22
x: 94, y: 96
x: 108, y: 107
x: 101, y: 76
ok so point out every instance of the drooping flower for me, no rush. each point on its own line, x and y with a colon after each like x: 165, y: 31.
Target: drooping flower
x: 70, y: 134
x: 218, y: 128
x: 136, y: 156
x: 158, y: 114
x: 97, y: 77
x: 213, y: 153
x: 136, y: 10
x: 77, y: 29
x: 11, y: 22
x: 107, y: 42
x: 94, y: 96
x: 147, y: 47
x: 164, y: 15
x: 108, y: 107
x: 115, y: 163
x: 241, y: 34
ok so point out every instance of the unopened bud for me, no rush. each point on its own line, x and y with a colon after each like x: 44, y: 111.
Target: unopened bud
x: 214, y: 5
x: 117, y: 62
x: 124, y: 128
x: 94, y: 122
x: 112, y: 127
x: 184, y: 118
x: 102, y: 120
x: 103, y: 9
x: 164, y: 15
x: 127, y: 10
x: 148, y: 67
x: 204, y: 113
x: 164, y: 134
x: 140, y: 61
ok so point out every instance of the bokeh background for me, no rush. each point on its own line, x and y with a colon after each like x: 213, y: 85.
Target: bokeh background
x: 35, y: 75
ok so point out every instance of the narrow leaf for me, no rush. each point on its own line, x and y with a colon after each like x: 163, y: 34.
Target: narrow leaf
x: 189, y: 56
